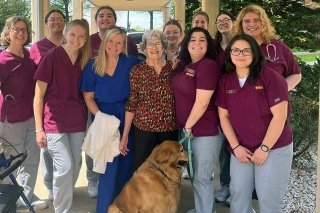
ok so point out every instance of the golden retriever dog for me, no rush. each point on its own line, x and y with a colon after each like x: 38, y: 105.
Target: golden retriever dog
x: 155, y: 186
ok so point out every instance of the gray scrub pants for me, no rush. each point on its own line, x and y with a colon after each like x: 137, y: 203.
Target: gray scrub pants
x: 205, y: 156
x: 47, y: 168
x: 65, y: 150
x: 23, y: 137
x: 270, y: 180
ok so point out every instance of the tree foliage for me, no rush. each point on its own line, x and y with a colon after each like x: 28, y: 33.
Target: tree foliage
x: 297, y: 25
x: 10, y: 8
x: 64, y: 6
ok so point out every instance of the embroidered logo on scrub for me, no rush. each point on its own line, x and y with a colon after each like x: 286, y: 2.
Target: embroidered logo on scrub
x: 259, y: 87
x: 277, y: 100
x: 190, y: 72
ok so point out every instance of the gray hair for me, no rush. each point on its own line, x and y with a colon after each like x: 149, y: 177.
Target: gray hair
x: 153, y: 34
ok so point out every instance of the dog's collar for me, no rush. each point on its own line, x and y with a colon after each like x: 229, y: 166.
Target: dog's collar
x: 160, y: 170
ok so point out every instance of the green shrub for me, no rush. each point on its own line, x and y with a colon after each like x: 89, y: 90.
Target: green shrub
x: 305, y: 110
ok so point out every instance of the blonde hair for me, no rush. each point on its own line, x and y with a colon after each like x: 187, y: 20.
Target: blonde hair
x: 101, y: 61
x: 85, y: 50
x: 201, y: 13
x: 268, y: 31
x: 10, y: 22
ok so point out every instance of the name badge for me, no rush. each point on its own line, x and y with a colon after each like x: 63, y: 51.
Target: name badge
x: 231, y: 91
x: 190, y: 72
x: 259, y: 87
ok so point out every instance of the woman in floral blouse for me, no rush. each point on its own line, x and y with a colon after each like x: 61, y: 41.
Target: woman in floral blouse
x: 151, y: 103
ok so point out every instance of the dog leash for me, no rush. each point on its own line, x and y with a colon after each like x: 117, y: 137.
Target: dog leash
x: 189, y: 155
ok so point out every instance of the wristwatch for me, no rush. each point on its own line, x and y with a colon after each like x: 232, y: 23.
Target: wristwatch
x: 264, y: 148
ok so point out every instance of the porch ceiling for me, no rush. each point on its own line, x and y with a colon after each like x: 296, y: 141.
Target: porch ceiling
x: 131, y: 5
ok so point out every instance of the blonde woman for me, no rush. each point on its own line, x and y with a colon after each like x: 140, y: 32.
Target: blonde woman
x: 59, y: 109
x: 254, y: 21
x: 105, y: 85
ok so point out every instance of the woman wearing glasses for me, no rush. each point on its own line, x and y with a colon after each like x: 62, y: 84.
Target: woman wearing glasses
x: 105, y: 86
x: 55, y: 23
x: 224, y: 24
x: 253, y: 110
x: 17, y: 91
x: 151, y: 104
x: 254, y: 21
x: 194, y: 83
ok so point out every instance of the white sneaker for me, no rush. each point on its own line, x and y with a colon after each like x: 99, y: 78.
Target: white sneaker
x: 253, y: 211
x: 227, y: 202
x: 185, y: 174
x: 222, y: 194
x: 93, y: 189
x: 50, y: 194
x: 37, y: 205
x: 40, y: 204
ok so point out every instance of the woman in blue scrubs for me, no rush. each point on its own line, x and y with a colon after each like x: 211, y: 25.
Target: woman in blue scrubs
x: 105, y: 85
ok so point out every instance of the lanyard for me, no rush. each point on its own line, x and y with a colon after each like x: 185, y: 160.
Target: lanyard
x: 268, y: 57
x: 189, y: 155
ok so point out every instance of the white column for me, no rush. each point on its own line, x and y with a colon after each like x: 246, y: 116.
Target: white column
x: 93, y: 24
x: 166, y: 14
x: 39, y: 8
x: 211, y: 7
x: 180, y: 12
x: 77, y: 8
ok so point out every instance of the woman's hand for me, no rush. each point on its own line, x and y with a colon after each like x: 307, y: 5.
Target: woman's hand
x: 243, y: 154
x: 41, y: 139
x: 259, y: 157
x: 123, y: 146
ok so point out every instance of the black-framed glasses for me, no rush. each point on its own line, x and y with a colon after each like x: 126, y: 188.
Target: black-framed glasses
x: 245, y: 52
x: 17, y: 30
x: 223, y: 21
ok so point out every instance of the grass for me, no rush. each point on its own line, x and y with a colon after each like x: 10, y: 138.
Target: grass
x: 308, y: 57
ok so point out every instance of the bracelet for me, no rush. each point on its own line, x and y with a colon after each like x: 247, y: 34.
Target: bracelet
x: 236, y: 147
x: 39, y: 130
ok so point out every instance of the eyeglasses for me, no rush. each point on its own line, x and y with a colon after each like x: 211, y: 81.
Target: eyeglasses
x: 245, y: 52
x: 59, y: 20
x: 223, y: 21
x: 17, y: 30
x: 154, y: 45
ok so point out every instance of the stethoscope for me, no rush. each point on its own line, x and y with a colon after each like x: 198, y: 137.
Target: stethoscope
x: 268, y: 57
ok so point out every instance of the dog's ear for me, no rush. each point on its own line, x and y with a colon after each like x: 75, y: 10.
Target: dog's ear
x: 162, y: 155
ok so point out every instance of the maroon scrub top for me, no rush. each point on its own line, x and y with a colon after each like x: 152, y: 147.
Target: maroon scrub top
x: 203, y: 74
x: 39, y: 49
x: 64, y: 108
x: 285, y: 63
x: 17, y: 87
x: 249, y: 106
x: 96, y: 41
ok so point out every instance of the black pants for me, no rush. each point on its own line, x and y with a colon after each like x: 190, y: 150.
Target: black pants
x: 144, y: 142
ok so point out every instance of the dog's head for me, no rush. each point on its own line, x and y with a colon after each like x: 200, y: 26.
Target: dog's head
x: 169, y: 153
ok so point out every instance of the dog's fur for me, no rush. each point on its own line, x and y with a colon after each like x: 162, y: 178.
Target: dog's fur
x: 155, y: 186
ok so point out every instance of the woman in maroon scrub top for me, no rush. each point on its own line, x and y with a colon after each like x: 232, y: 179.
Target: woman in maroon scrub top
x: 194, y: 85
x: 253, y: 110
x: 60, y: 112
x: 106, y: 18
x: 55, y: 23
x: 17, y: 91
x: 254, y: 21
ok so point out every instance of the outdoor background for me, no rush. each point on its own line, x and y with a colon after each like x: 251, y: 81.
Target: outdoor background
x: 299, y: 27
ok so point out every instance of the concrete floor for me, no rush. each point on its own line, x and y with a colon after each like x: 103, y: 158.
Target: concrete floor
x: 83, y: 204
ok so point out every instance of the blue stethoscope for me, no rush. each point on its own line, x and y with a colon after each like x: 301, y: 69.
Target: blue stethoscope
x: 268, y: 57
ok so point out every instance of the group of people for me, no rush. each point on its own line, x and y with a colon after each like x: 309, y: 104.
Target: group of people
x: 228, y: 95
